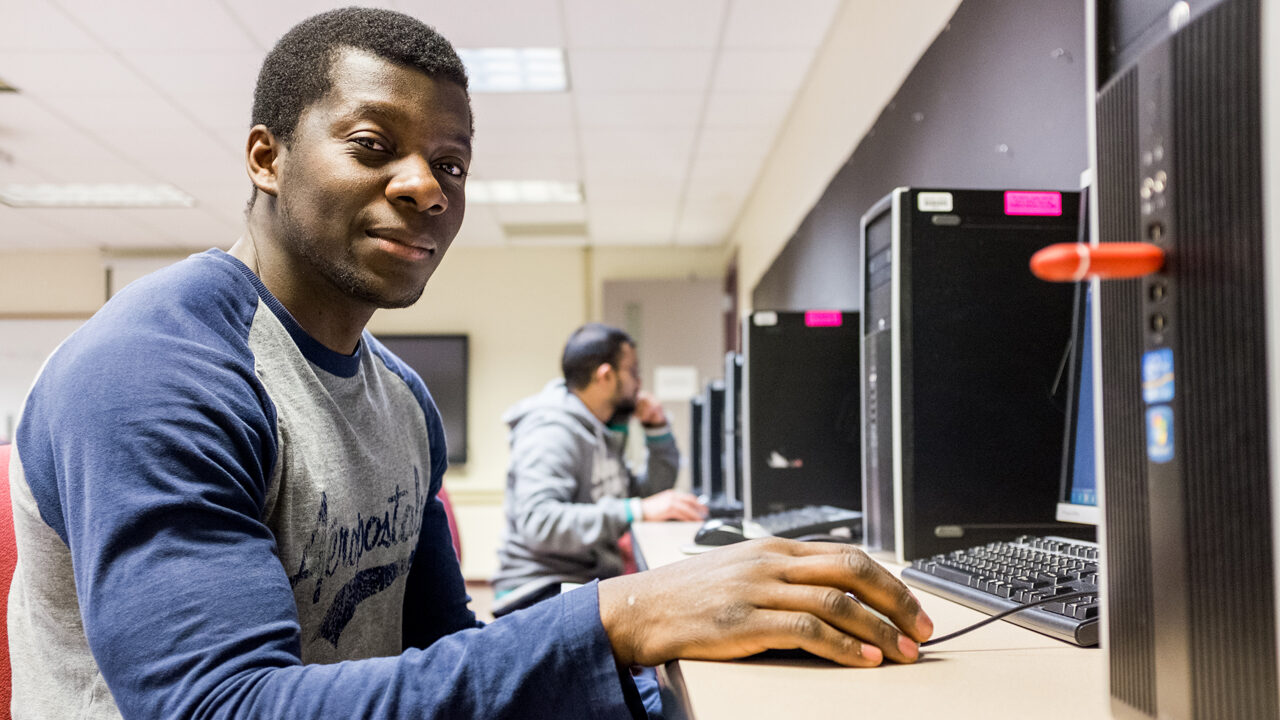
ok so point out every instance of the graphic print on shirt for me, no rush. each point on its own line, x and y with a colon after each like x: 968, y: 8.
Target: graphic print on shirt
x: 338, y: 544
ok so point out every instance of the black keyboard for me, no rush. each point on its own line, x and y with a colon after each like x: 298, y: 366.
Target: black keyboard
x: 1001, y: 576
x: 812, y: 520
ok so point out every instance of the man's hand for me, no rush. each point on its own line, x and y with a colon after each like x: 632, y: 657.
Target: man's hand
x: 649, y: 411
x: 760, y: 595
x: 672, y: 505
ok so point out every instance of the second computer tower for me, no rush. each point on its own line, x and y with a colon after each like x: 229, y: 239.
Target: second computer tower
x: 963, y: 351
x: 801, y: 414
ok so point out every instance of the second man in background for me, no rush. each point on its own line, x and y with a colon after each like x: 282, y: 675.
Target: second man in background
x: 570, y: 494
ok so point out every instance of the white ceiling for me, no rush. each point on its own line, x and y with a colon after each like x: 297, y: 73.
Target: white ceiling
x: 672, y: 108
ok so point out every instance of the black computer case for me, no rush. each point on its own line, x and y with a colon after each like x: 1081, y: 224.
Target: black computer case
x: 801, y: 413
x: 963, y: 354
x: 712, y: 445
x: 1189, y: 407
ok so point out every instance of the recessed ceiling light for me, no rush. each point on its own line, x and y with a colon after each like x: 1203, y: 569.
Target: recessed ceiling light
x: 102, y: 195
x: 523, y: 192
x: 498, y: 70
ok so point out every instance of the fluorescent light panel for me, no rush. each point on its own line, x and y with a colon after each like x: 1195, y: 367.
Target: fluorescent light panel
x: 495, y: 192
x: 103, y: 195
x: 499, y: 70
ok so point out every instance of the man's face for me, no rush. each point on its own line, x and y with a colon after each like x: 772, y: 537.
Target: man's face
x: 371, y: 187
x: 627, y: 383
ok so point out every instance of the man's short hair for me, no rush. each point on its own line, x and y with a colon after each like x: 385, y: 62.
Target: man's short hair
x: 589, y: 347
x: 295, y: 73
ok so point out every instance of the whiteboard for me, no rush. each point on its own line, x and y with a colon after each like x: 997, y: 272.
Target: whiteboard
x: 24, y: 345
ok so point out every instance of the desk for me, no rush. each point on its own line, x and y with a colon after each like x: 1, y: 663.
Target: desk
x: 1000, y: 669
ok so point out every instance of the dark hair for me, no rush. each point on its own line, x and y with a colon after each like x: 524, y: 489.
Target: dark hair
x: 295, y: 73
x: 589, y: 347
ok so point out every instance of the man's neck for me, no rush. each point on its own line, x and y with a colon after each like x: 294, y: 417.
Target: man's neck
x: 599, y: 405
x: 332, y: 319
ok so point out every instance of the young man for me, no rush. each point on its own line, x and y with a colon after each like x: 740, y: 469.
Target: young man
x: 570, y: 495
x: 224, y: 489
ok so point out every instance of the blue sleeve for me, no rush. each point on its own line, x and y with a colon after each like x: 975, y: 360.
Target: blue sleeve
x: 150, y: 456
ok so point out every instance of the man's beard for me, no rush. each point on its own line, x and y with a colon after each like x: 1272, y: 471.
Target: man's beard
x: 623, y: 409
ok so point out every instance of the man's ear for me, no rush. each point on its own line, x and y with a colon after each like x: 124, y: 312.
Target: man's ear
x: 262, y: 159
x: 604, y: 373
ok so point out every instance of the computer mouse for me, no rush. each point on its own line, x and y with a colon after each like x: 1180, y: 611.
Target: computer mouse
x: 717, y: 531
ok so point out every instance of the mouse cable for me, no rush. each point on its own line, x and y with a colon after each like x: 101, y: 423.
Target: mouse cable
x: 993, y: 618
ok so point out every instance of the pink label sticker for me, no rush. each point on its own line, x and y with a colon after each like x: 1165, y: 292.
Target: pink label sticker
x: 823, y: 318
x: 1032, y: 203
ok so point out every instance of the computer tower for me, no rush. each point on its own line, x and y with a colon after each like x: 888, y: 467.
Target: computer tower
x: 801, y: 410
x: 696, y: 404
x: 712, y: 430
x: 1186, y: 157
x: 963, y: 353
x: 731, y: 445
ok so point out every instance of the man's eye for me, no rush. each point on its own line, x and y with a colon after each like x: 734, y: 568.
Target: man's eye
x: 369, y: 143
x: 453, y: 169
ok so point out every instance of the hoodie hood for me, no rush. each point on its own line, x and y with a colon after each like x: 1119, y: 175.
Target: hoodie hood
x: 554, y: 400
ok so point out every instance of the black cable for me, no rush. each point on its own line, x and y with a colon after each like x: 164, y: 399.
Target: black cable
x: 993, y: 618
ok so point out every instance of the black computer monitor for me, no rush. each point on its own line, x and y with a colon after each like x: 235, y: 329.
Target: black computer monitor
x: 441, y: 361
x: 696, y: 405
x: 731, y: 448
x: 1078, y: 500
x: 712, y: 439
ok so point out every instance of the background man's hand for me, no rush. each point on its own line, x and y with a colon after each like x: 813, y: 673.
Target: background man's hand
x: 672, y: 505
x: 649, y: 411
x: 764, y: 594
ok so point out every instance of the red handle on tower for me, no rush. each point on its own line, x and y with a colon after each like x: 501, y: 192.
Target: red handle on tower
x: 1073, y: 262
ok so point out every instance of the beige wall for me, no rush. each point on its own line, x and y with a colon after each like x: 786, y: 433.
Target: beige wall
x: 871, y: 48
x: 51, y: 284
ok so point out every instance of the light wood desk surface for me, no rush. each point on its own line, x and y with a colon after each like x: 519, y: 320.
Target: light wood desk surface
x: 1000, y: 670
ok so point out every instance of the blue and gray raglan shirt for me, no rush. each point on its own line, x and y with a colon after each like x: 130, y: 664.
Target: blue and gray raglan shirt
x: 218, y: 517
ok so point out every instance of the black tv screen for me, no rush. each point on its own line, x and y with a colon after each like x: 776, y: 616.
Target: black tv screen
x: 441, y: 361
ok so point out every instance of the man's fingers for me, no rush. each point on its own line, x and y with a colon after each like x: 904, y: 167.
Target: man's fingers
x: 845, y: 614
x: 782, y: 630
x: 851, y: 570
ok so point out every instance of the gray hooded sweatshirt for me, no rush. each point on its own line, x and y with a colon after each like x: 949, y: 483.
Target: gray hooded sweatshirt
x: 568, y: 487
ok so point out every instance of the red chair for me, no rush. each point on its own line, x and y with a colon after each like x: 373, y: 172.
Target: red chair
x: 8, y: 559
x: 444, y: 500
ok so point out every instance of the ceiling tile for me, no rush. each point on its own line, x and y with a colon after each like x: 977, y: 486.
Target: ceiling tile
x: 554, y: 214
x: 193, y: 228
x: 40, y: 25
x: 185, y: 73
x: 93, y: 227
x: 527, y: 111
x: 632, y: 223
x: 773, y: 24
x: 503, y: 140
x: 487, y: 165
x: 747, y: 109
x: 644, y: 23
x: 20, y: 227
x: 265, y: 22
x: 637, y: 110
x: 639, y: 71
x: 492, y: 23
x: 633, y: 190
x: 620, y: 153
x: 765, y: 71
x: 38, y: 74
x: 189, y: 26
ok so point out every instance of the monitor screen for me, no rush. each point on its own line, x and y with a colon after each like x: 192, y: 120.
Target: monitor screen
x: 1079, y: 498
x: 441, y: 361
